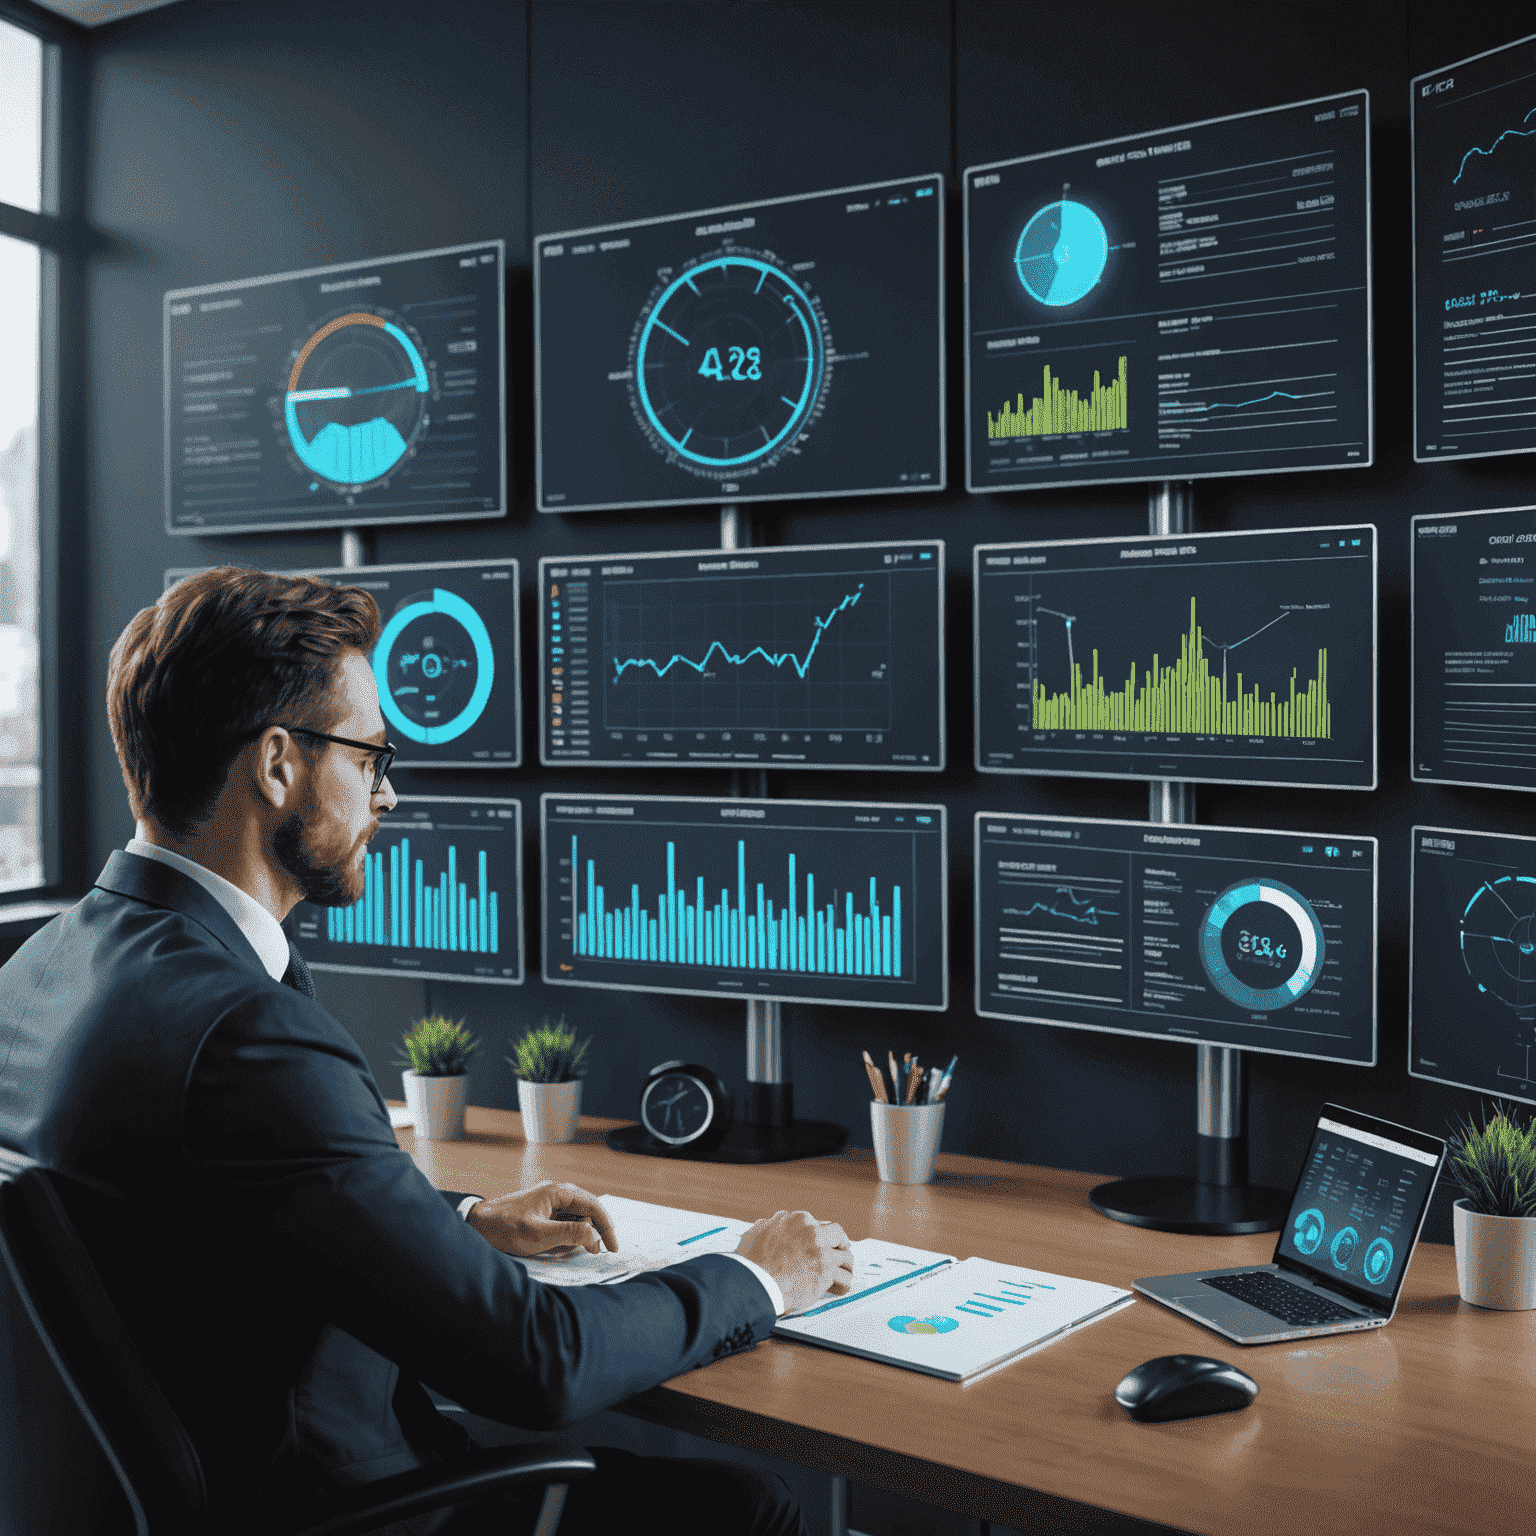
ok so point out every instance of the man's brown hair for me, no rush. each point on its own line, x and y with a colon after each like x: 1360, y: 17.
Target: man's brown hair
x: 220, y: 657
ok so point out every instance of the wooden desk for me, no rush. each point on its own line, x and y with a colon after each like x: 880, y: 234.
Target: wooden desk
x: 1426, y: 1425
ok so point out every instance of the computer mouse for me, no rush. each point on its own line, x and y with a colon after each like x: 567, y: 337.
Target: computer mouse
x: 1182, y: 1387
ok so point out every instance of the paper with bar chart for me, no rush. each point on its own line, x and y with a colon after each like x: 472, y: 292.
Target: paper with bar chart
x: 1265, y: 941
x: 1203, y: 657
x: 1474, y: 234
x: 812, y: 901
x: 795, y: 657
x: 1184, y: 303
x: 352, y: 395
x: 1474, y: 649
x: 440, y: 897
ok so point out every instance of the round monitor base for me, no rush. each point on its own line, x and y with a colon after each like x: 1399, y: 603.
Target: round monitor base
x: 743, y: 1143
x: 1169, y: 1204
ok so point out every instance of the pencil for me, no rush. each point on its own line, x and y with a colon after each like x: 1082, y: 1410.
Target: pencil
x: 895, y: 1077
x: 914, y: 1077
x: 875, y: 1080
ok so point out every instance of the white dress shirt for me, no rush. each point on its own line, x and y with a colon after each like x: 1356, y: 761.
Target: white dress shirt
x: 271, y: 945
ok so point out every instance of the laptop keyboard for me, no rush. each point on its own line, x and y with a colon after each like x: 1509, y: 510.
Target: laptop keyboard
x: 1290, y: 1303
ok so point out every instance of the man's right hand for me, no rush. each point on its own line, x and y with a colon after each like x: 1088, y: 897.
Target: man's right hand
x: 806, y: 1257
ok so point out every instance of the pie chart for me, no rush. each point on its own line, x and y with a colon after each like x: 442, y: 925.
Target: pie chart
x: 1062, y: 253
x: 936, y: 1324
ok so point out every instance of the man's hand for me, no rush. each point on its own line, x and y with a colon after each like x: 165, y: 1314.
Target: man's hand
x: 807, y: 1257
x: 551, y: 1219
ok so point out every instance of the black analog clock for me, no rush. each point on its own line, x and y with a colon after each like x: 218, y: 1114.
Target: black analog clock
x: 685, y: 1106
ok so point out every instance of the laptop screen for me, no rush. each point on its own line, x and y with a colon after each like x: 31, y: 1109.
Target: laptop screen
x: 1358, y: 1207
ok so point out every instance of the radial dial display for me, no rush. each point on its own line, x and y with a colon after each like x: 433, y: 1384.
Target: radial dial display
x: 1261, y: 945
x: 1498, y: 941
x: 730, y: 359
x: 434, y: 665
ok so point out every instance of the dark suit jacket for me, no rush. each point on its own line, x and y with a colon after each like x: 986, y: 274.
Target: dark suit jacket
x: 290, y: 1275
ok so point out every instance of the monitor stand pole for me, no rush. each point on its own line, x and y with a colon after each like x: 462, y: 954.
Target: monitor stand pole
x: 1219, y: 1201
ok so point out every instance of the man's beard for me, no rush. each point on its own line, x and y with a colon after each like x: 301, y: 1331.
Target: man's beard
x: 325, y: 876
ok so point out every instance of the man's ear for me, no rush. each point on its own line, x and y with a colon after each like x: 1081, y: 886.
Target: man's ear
x: 275, y: 768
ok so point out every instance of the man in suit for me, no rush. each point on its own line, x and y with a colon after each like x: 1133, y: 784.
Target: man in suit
x: 290, y: 1275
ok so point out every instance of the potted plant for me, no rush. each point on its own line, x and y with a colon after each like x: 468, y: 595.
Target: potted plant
x: 1495, y: 1221
x: 550, y: 1066
x: 437, y: 1079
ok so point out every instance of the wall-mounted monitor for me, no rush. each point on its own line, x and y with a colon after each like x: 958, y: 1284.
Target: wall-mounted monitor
x: 448, y: 661
x: 1474, y: 234
x: 1194, y: 656
x: 760, y: 352
x: 1472, y: 961
x: 797, y: 900
x: 1474, y: 648
x: 816, y: 656
x: 338, y: 397
x: 1264, y: 941
x: 1173, y: 305
x: 440, y: 897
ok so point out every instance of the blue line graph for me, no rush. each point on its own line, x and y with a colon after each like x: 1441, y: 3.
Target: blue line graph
x: 774, y: 659
x: 1515, y: 133
x: 1173, y: 407
x: 1087, y: 912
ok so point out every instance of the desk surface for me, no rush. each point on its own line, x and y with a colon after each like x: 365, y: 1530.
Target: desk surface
x: 1426, y: 1425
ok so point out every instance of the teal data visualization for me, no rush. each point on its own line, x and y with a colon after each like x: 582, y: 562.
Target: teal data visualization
x: 1189, y: 302
x: 1474, y: 236
x: 765, y: 351
x: 447, y: 661
x: 1232, y: 936
x: 1472, y: 949
x: 799, y: 900
x: 806, y: 656
x: 438, y: 895
x: 364, y: 393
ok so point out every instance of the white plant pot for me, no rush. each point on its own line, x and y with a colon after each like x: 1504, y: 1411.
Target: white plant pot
x: 1495, y: 1259
x: 436, y: 1105
x: 550, y: 1110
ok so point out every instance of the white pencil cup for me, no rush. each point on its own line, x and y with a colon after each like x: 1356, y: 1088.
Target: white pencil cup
x: 906, y: 1140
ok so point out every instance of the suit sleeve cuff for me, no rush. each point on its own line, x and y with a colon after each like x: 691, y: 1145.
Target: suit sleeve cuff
x: 467, y: 1204
x: 775, y: 1295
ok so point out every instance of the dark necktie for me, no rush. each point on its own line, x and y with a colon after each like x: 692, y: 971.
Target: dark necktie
x: 297, y: 975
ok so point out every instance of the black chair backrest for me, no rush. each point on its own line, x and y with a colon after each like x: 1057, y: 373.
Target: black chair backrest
x: 96, y: 1358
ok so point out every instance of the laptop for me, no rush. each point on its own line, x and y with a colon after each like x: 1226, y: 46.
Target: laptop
x: 1354, y: 1219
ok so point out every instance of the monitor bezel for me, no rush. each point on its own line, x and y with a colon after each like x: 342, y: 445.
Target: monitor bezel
x: 1148, y: 1034
x: 424, y: 975
x: 357, y: 517
x: 940, y: 811
x: 1413, y: 913
x: 716, y: 494
x: 756, y: 551
x: 1413, y: 649
x: 1174, y: 538
x: 1413, y: 249
x: 1182, y: 472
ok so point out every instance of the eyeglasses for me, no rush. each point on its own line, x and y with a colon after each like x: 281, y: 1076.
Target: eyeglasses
x: 382, y: 756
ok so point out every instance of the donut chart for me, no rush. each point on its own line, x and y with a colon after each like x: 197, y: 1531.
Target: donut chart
x: 921, y: 1325
x: 1378, y: 1261
x: 434, y: 666
x: 1261, y: 945
x: 1061, y: 253
x: 1342, y: 1249
x: 1307, y: 1231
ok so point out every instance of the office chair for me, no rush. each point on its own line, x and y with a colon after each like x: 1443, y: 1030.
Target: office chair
x: 146, y: 1444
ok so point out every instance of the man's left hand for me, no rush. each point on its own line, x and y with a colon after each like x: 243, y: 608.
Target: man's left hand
x: 549, y: 1219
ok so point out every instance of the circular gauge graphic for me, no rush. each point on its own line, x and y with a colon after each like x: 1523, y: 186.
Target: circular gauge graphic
x: 1062, y: 253
x: 1261, y: 945
x: 1378, y: 1261
x: 434, y: 665
x: 1307, y: 1231
x: 906, y: 1324
x: 1498, y: 941
x: 1342, y: 1249
x: 728, y: 362
x: 355, y: 400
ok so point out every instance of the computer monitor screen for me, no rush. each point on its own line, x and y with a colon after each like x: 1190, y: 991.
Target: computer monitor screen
x: 1472, y: 961
x: 1474, y: 228
x: 440, y: 897
x: 754, y: 353
x: 366, y: 393
x: 1474, y: 648
x: 797, y: 900
x: 1264, y: 941
x: 448, y: 660
x: 822, y: 656
x: 1195, y: 656
x: 1184, y: 303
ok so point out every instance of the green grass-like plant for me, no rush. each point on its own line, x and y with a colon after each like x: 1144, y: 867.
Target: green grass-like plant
x: 550, y: 1054
x: 437, y: 1047
x: 1495, y: 1162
